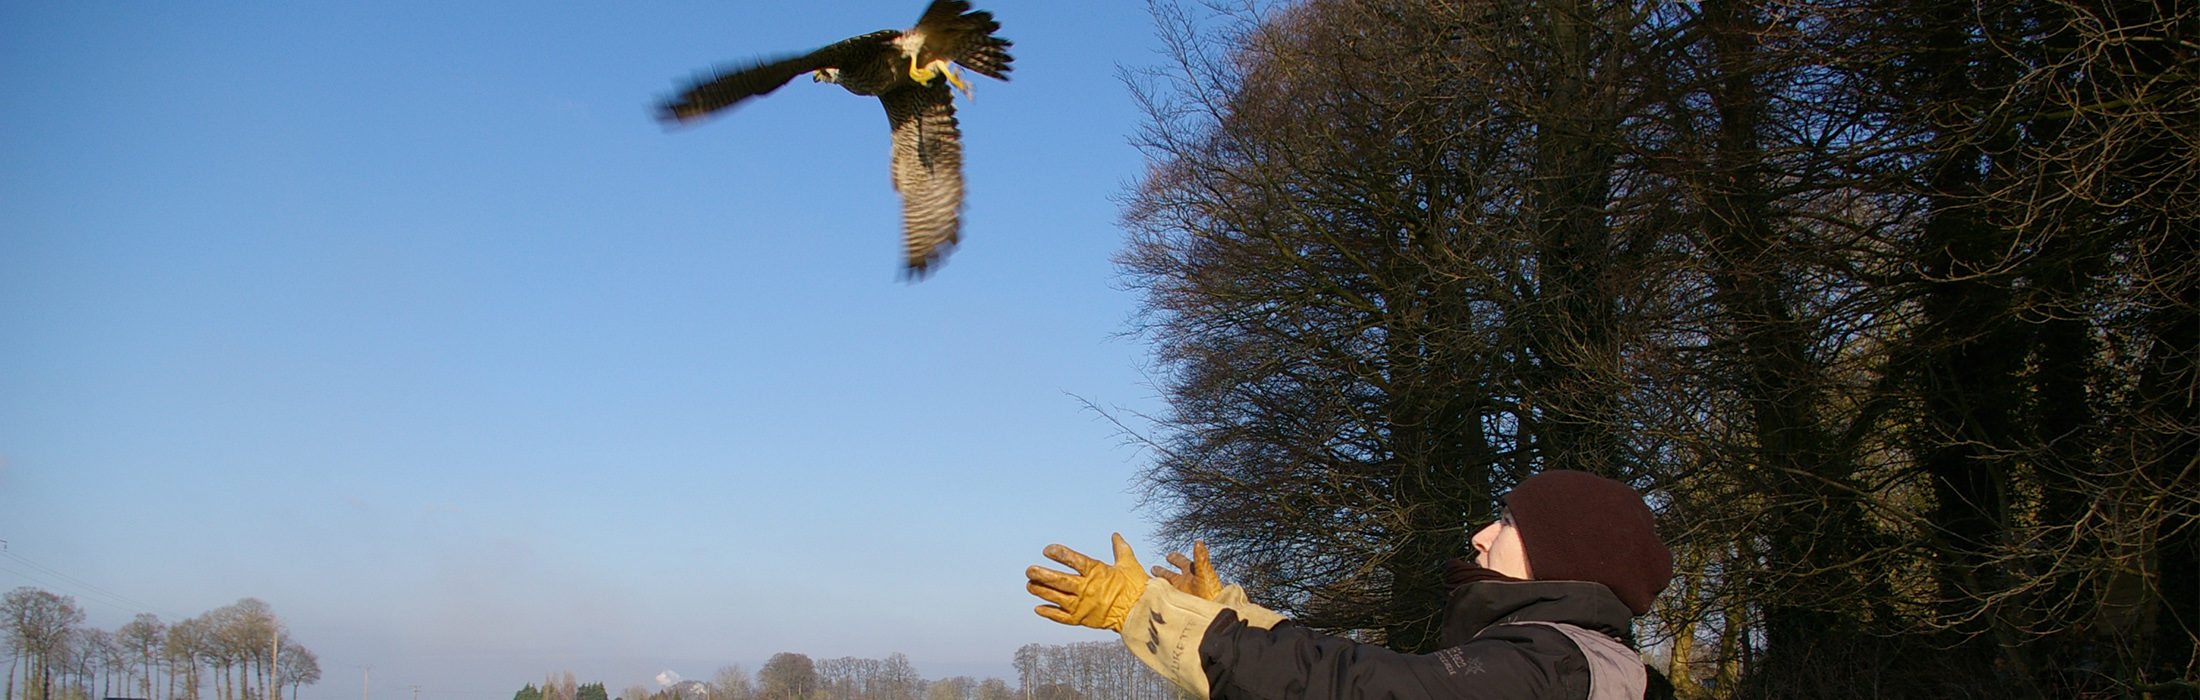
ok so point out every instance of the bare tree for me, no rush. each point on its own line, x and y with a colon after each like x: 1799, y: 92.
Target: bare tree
x: 185, y: 651
x: 1894, y: 307
x: 732, y: 683
x: 956, y: 688
x: 101, y: 659
x: 142, y: 639
x: 561, y: 686
x: 297, y: 667
x: 1086, y: 670
x: 39, y: 627
x: 898, y: 679
x: 787, y: 676
x: 1387, y: 275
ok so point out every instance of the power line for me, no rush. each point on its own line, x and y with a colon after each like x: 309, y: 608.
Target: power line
x: 72, y: 579
x: 90, y: 591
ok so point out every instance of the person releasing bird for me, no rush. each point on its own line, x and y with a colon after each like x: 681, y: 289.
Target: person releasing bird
x: 910, y: 71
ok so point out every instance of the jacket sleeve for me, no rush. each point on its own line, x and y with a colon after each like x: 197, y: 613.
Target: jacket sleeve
x: 1292, y: 661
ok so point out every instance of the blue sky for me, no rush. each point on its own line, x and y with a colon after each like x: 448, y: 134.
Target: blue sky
x: 407, y: 319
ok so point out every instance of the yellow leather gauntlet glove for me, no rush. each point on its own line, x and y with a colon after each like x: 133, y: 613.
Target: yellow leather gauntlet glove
x: 1097, y: 596
x: 1195, y: 575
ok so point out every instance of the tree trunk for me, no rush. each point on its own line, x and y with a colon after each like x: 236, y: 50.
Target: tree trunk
x: 1973, y: 351
x: 2173, y: 412
x: 1575, y: 329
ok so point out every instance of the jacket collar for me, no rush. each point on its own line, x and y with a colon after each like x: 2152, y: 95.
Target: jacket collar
x: 1584, y: 604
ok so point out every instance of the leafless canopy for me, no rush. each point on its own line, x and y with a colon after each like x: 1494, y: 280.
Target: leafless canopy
x: 1893, y: 307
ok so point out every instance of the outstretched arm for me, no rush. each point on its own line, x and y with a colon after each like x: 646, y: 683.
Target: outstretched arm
x: 1210, y: 650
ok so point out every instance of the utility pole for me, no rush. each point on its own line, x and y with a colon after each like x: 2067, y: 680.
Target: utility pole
x: 416, y: 692
x: 275, y: 667
x: 366, y: 684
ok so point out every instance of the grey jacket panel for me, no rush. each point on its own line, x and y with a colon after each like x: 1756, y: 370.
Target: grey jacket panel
x: 1615, y: 671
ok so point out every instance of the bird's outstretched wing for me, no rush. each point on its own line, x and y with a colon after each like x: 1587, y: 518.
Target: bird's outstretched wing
x: 927, y: 170
x: 950, y: 30
x: 734, y: 84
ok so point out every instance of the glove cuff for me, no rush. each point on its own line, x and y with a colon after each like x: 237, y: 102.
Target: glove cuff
x: 1164, y: 629
x: 1233, y: 597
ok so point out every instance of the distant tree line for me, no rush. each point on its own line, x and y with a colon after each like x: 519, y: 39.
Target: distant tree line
x: 1083, y: 671
x: 1893, y: 307
x: 1088, y: 670
x: 236, y: 652
x: 565, y: 687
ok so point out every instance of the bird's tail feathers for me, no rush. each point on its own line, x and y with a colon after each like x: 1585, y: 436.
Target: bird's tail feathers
x: 966, y: 37
x: 988, y: 56
x: 920, y: 264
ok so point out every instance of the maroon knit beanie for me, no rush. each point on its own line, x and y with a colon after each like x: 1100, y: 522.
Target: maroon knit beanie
x: 1577, y: 526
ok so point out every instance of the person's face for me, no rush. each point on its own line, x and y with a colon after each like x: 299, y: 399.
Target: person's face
x: 1500, y: 550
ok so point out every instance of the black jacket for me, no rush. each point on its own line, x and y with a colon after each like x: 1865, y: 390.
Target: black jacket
x: 1483, y: 657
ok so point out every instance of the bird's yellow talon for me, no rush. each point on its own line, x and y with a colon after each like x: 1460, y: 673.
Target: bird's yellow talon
x: 957, y: 81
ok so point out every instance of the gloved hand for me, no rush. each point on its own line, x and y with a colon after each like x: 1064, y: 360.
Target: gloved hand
x: 1195, y: 575
x: 1097, y: 596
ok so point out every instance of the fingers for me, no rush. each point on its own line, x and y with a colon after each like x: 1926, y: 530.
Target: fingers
x: 1060, y: 598
x: 1183, y: 568
x: 1056, y: 614
x: 1073, y: 559
x: 1084, y: 565
x: 1182, y: 564
x: 1057, y: 588
x: 1202, y: 572
x: 1060, y: 581
x: 1123, y: 555
x: 1199, y: 558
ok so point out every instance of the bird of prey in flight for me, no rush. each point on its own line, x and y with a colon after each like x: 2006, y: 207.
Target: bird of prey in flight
x: 910, y: 71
